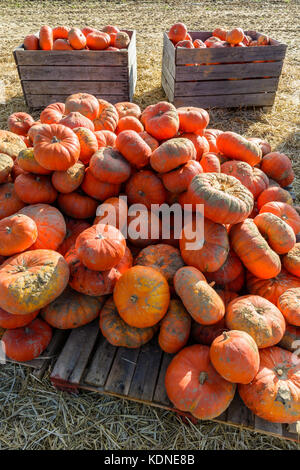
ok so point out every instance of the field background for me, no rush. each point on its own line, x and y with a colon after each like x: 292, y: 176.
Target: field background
x: 32, y: 414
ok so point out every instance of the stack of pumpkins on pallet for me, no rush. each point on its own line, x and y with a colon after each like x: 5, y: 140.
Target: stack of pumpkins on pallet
x: 61, y: 38
x: 228, y: 309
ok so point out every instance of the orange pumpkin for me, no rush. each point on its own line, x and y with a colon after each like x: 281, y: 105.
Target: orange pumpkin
x: 77, y: 205
x: 77, y: 39
x: 10, y: 321
x: 46, y: 38
x: 193, y: 385
x: 289, y: 305
x: 142, y: 296
x: 144, y: 187
x: 285, y: 211
x: 236, y: 147
x: 9, y: 200
x: 192, y: 119
x: 161, y: 120
x: 291, y: 261
x: 107, y: 118
x: 174, y: 328
x: 98, y: 189
x: 171, y: 154
x: 53, y: 113
x: 133, y: 148
x: 113, y: 211
x: 108, y: 165
x: 83, y: 103
x: 17, y: 233
x: 88, y: 143
x: 279, y: 235
x: 272, y: 194
x: 273, y: 288
x: 20, y: 123
x: 126, y: 108
x: 27, y: 162
x: 70, y: 179
x: 76, y: 119
x: 178, y: 180
x: 34, y: 189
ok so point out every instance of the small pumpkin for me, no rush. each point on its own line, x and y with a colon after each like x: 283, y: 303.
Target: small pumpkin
x: 83, y: 103
x: 161, y: 120
x: 291, y: 261
x: 27, y: 162
x: 237, y: 147
x: 77, y: 205
x: 10, y: 321
x: 131, y: 145
x: 9, y: 200
x: 17, y: 233
x: 289, y: 305
x: 273, y: 288
x: 69, y: 180
x: 174, y: 328
x: 109, y: 165
x: 53, y: 113
x: 279, y: 235
x: 144, y: 187
x: 35, y: 189
x: 20, y: 123
x: 285, y: 211
x: 171, y: 154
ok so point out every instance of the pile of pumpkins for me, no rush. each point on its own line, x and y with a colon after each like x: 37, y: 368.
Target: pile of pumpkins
x: 62, y: 38
x: 228, y: 309
x: 220, y: 37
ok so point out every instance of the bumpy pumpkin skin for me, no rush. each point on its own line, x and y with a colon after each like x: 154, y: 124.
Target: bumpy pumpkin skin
x: 175, y: 328
x: 10, y: 321
x: 178, y: 180
x: 274, y: 392
x: 279, y: 235
x: 95, y: 283
x: 225, y: 199
x: 201, y: 301
x: 77, y: 205
x: 107, y: 164
x: 228, y: 272
x: 142, y: 296
x: 161, y: 120
x: 68, y: 181
x: 9, y: 200
x: 31, y: 280
x: 11, y: 144
x: 193, y: 385
x: 289, y: 305
x: 214, y: 251
x: 285, y: 211
x: 27, y: 162
x: 134, y: 148
x: 119, y: 333
x: 258, y: 317
x: 50, y: 224
x: 236, y: 147
x: 17, y: 233
x: 145, y: 187
x: 273, y: 288
x: 28, y: 342
x: 53, y: 113
x: 254, y: 251
x: 291, y: 261
x: 6, y: 165
x: 164, y: 258
x: 71, y: 310
x: 291, y: 338
x: 171, y: 154
x: 84, y: 103
x: 235, y: 356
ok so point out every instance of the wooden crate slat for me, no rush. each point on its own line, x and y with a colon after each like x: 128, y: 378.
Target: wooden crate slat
x: 267, y: 427
x: 122, y: 370
x: 168, y: 59
x: 169, y: 91
x: 228, y: 55
x: 160, y: 394
x: 228, y: 87
x: 101, y: 363
x: 146, y: 372
x: 73, y: 357
x: 238, y: 413
x: 83, y: 58
x: 65, y: 87
x: 225, y: 71
x: 73, y: 73
x: 41, y: 101
x: 226, y: 101
x: 132, y: 79
x: 132, y: 50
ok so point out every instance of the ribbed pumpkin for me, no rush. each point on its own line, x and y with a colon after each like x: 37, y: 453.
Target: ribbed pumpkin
x: 76, y: 119
x: 100, y: 247
x: 126, y: 108
x: 279, y: 235
x: 108, y: 165
x: 214, y: 245
x: 171, y: 154
x: 97, y: 189
x: 161, y: 120
x: 291, y: 261
x: 274, y: 392
x: 228, y: 272
x: 95, y: 283
x: 194, y: 386
x: 88, y: 143
x: 77, y: 205
x: 31, y: 280
x: 69, y: 180
x: 53, y: 113
x: 113, y: 211
x: 174, y: 328
x: 28, y: 342
x: 225, y: 199
x: 131, y: 145
x: 200, y: 143
x: 285, y: 211
x: 178, y: 180
x: 56, y: 147
x: 210, y: 163
x: 6, y: 165
x: 192, y: 119
x: 164, y: 258
x: 258, y: 317
x: 84, y: 103
x: 11, y: 144
x: 235, y: 356
x: 253, y: 250
x: 10, y: 321
x: 35, y: 189
x: 50, y: 224
x: 17, y: 233
x: 20, y: 123
x: 236, y: 147
x: 145, y: 187
x: 272, y: 288
x: 119, y: 333
x: 129, y: 123
x: 274, y: 193
x: 205, y: 334
x: 73, y: 229
x: 276, y: 165
x: 201, y: 301
x: 9, y: 200
x: 142, y: 296
x: 153, y: 143
x: 289, y: 305
x: 71, y: 310
x: 27, y: 162
x: 107, y: 118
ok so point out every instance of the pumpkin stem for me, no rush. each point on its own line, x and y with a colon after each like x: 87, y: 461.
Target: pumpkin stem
x: 279, y: 372
x: 134, y: 298
x: 8, y: 229
x: 54, y: 140
x: 202, y: 377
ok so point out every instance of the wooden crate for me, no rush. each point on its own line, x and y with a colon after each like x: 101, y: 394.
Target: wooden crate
x: 41, y: 364
x: 50, y: 76
x: 89, y: 362
x: 221, y: 77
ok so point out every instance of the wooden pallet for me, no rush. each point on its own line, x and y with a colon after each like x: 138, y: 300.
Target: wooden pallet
x: 50, y: 76
x: 41, y: 364
x: 88, y: 362
x: 221, y: 78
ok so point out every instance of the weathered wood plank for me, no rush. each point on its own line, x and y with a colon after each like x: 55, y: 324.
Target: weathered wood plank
x: 267, y: 427
x: 169, y: 91
x: 168, y: 58
x: 132, y: 50
x: 121, y: 373
x: 73, y: 73
x: 226, y: 101
x: 238, y: 413
x: 294, y: 428
x: 132, y: 79
x: 41, y: 101
x: 225, y: 71
x: 160, y: 394
x: 67, y: 88
x: 146, y: 371
x: 226, y: 87
x: 75, y: 353
x: 99, y: 368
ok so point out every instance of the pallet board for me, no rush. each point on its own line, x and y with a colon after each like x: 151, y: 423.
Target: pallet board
x: 230, y: 77
x: 88, y: 362
x: 51, y: 76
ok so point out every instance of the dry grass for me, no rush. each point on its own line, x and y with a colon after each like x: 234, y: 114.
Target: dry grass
x: 32, y: 414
